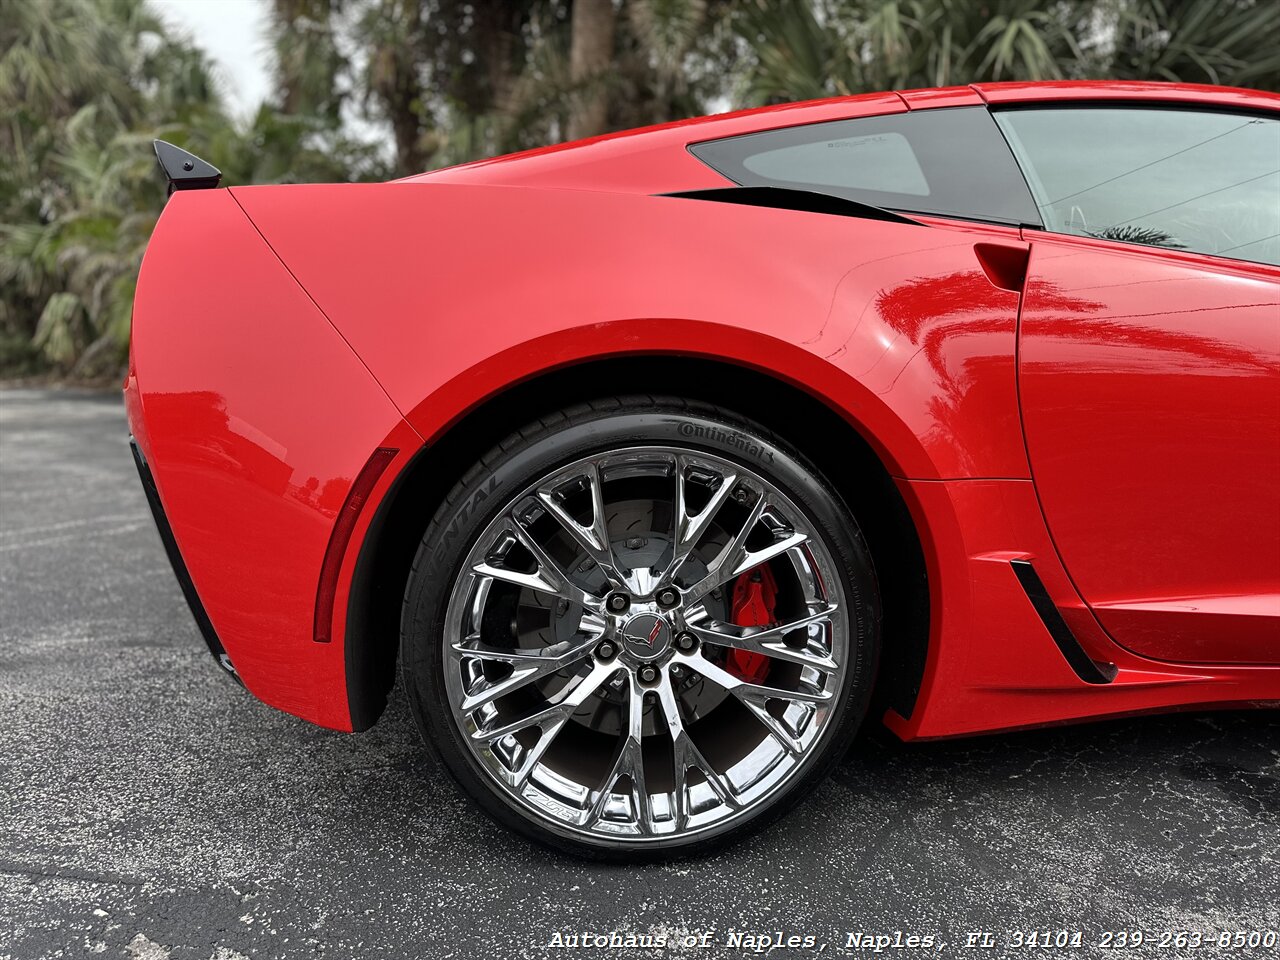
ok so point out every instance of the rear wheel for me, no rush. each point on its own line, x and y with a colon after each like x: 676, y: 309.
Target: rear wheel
x: 640, y: 627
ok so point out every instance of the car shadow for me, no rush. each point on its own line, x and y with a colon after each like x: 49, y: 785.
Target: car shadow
x: 1232, y: 751
x: 1227, y: 755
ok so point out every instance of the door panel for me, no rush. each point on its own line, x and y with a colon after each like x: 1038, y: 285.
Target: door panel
x: 1150, y: 390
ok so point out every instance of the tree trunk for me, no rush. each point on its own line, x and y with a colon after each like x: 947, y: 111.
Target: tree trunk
x: 302, y: 35
x: 590, y: 54
x: 395, y: 54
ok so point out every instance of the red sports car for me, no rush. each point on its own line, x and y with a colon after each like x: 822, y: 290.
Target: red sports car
x: 660, y: 461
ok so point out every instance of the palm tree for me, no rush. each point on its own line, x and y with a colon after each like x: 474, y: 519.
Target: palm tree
x: 589, y: 57
x: 674, y: 59
x: 812, y: 48
x: 1234, y: 42
x: 307, y: 60
x: 394, y: 36
x: 75, y: 214
x: 799, y: 52
x: 84, y: 88
x: 806, y: 49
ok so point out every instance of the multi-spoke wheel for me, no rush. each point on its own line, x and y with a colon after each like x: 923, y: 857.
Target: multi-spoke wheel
x: 640, y: 629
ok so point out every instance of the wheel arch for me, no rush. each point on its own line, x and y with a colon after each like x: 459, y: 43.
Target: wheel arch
x: 827, y: 435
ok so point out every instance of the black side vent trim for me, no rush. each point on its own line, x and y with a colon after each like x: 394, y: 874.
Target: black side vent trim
x: 1084, y: 666
x: 805, y: 201
x: 180, y: 566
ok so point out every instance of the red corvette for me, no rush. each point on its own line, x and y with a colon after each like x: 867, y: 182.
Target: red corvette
x: 657, y: 462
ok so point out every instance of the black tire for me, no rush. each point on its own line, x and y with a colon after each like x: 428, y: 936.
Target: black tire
x: 562, y: 438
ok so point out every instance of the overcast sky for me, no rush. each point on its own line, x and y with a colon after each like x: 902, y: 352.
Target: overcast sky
x: 232, y: 32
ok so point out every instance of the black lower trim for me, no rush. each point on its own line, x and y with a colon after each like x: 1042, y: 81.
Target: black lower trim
x: 179, y: 565
x: 1085, y: 667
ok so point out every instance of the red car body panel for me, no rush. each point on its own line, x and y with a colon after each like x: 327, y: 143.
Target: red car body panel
x: 1161, y: 490
x: 251, y: 461
x: 910, y: 331
x: 942, y: 97
x: 1078, y: 91
x: 284, y: 334
x: 992, y: 665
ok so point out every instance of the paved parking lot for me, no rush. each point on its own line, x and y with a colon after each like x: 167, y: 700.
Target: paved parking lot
x: 151, y: 809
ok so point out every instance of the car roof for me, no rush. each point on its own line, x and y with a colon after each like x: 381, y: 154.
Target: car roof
x: 1131, y: 90
x: 644, y: 159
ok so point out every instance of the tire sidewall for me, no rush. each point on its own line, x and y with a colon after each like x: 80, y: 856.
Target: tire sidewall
x: 531, y: 454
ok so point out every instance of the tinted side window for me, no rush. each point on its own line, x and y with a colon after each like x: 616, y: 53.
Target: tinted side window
x: 950, y: 162
x: 1182, y: 179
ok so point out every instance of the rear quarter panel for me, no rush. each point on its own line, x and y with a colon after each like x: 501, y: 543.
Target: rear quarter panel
x: 254, y: 417
x: 450, y: 293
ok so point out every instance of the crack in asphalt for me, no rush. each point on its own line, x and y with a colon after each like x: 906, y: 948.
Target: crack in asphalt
x: 68, y: 873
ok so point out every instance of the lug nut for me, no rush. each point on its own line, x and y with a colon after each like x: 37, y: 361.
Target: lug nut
x: 648, y: 673
x: 606, y: 651
x: 686, y: 643
x: 668, y: 597
x: 617, y: 603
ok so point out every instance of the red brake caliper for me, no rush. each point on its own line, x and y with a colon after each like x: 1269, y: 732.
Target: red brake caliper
x: 751, y: 604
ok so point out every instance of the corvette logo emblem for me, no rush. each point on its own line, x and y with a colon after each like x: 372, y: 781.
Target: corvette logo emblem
x: 647, y: 632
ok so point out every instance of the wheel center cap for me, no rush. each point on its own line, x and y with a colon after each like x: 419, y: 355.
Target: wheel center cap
x: 646, y: 636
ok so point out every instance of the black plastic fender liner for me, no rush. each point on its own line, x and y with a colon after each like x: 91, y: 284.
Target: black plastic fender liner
x: 1084, y: 666
x: 805, y: 201
x: 179, y: 565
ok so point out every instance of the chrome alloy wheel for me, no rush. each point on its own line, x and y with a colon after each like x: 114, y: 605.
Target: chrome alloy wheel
x: 592, y: 665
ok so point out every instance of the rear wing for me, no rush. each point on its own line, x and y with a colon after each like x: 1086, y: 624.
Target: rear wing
x: 183, y: 170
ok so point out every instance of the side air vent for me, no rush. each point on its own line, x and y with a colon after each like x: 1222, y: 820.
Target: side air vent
x: 806, y: 201
x: 1085, y: 667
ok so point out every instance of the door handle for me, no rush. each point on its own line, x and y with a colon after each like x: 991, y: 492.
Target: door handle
x: 1005, y: 264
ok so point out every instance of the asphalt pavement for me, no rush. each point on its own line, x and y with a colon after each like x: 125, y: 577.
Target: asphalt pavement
x: 151, y: 809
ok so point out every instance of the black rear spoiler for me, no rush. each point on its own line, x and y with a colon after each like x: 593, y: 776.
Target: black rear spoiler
x: 183, y: 170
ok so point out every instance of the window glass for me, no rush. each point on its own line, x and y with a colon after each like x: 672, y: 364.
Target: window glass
x: 877, y: 161
x: 951, y: 162
x: 1181, y: 179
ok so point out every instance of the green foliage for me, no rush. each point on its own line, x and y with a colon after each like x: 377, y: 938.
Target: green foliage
x: 1233, y: 42
x: 84, y: 89
x: 85, y: 85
